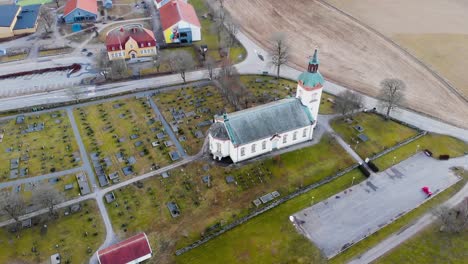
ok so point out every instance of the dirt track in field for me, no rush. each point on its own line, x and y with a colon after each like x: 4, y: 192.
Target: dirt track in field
x: 350, y: 54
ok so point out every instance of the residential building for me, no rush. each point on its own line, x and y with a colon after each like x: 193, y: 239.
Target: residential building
x: 179, y: 22
x: 160, y: 3
x: 133, y: 250
x: 259, y: 130
x: 77, y: 11
x: 130, y: 43
x: 18, y: 20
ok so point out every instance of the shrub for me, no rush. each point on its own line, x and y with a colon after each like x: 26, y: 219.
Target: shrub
x: 364, y: 170
x: 372, y: 166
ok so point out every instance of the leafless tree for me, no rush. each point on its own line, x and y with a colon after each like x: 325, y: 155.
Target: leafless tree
x: 13, y: 205
x: 219, y: 17
x: 348, y: 102
x: 118, y: 68
x: 231, y: 87
x: 210, y: 64
x: 103, y: 63
x: 48, y: 197
x: 453, y: 220
x: 280, y: 51
x: 156, y: 61
x: 47, y: 18
x: 231, y: 28
x: 391, y: 94
x: 183, y: 62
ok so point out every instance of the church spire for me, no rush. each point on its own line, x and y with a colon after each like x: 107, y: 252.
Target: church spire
x: 314, y: 62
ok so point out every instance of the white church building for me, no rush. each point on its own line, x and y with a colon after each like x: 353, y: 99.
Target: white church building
x: 259, y: 130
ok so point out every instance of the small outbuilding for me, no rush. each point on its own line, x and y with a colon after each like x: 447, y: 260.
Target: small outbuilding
x: 76, y: 11
x: 132, y: 250
x: 179, y: 22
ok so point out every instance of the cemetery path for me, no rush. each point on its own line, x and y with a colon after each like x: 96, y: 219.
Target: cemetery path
x: 167, y: 127
x: 40, y: 177
x: 325, y: 122
x: 84, y: 153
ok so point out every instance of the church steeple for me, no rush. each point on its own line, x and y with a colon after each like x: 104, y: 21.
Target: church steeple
x: 314, y: 62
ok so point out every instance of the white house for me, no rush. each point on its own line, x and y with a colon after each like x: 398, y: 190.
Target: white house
x: 255, y: 131
x: 179, y: 22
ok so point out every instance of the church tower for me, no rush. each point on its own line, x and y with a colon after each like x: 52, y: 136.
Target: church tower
x: 310, y: 86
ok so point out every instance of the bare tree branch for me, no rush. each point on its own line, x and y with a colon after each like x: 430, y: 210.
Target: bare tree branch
x: 280, y: 51
x: 348, y: 102
x: 391, y: 94
x: 183, y: 62
x: 14, y: 205
x: 47, y: 17
x: 48, y: 197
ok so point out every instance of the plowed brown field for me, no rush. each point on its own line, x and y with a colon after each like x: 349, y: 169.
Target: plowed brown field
x: 350, y: 54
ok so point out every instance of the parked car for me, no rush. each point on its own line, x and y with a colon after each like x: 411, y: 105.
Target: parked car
x: 427, y: 191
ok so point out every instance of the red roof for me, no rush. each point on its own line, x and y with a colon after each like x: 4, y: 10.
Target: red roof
x: 176, y: 11
x: 125, y: 251
x: 118, y: 37
x: 87, y: 5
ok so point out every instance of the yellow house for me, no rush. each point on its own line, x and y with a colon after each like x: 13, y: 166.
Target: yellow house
x: 16, y: 20
x: 130, y: 43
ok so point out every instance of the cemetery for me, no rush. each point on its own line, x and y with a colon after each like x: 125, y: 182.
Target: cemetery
x: 119, y: 137
x: 189, y: 111
x: 75, y: 235
x: 209, y: 196
x: 34, y: 145
x: 369, y: 134
x: 266, y: 89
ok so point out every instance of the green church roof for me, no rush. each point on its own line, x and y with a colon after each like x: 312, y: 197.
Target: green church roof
x: 311, y: 79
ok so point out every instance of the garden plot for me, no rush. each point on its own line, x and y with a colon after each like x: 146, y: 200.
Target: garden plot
x: 121, y: 138
x: 35, y: 145
x: 369, y: 134
x: 76, y: 234
x: 207, y: 196
x: 190, y: 111
x: 347, y: 217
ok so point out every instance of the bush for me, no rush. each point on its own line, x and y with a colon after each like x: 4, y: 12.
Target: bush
x: 364, y: 170
x: 444, y: 157
x: 428, y: 152
x: 372, y: 166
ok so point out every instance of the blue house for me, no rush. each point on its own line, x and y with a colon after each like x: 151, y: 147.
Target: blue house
x: 77, y: 11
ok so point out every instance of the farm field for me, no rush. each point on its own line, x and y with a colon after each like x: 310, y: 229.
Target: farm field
x: 119, y: 137
x: 206, y: 206
x: 36, y: 144
x: 380, y: 134
x: 351, y: 55
x: 75, y: 237
x: 443, y: 24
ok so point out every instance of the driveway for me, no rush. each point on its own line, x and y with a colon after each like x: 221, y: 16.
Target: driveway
x: 347, y: 217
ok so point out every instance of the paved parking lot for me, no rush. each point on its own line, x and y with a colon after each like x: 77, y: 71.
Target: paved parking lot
x: 355, y: 213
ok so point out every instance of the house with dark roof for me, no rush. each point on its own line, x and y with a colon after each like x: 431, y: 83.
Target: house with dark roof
x: 18, y: 20
x: 179, y: 22
x: 132, y: 250
x: 130, y: 42
x: 78, y: 11
x: 259, y: 130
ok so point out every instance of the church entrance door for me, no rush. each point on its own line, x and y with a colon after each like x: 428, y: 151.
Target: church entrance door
x: 274, y: 144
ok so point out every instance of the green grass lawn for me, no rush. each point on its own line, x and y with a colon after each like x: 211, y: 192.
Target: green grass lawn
x: 237, y: 53
x: 210, y: 103
x: 430, y: 246
x: 65, y: 235
x: 106, y: 129
x: 270, y: 237
x: 437, y: 144
x: 266, y: 89
x: 40, y: 152
x: 143, y: 208
x: 382, y: 134
x: 15, y: 57
x: 399, y: 224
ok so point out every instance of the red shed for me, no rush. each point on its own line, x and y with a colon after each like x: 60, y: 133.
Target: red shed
x: 133, y: 250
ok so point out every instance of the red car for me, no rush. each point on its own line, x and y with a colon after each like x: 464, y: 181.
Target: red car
x: 426, y: 190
